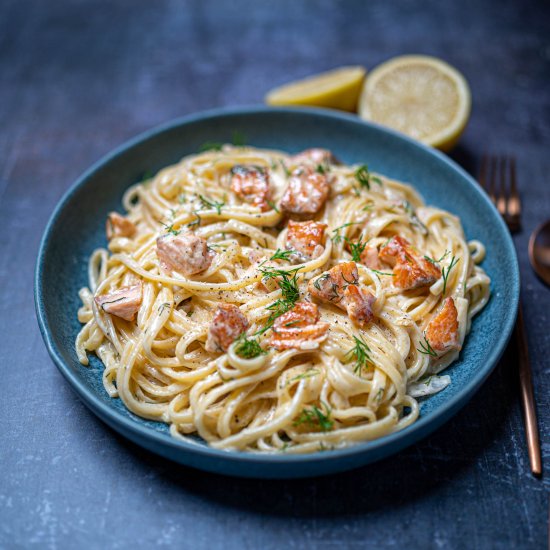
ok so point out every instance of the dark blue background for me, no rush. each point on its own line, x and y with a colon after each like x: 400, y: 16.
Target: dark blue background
x: 79, y: 78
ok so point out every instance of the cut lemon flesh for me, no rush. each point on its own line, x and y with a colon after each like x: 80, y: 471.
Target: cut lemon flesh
x: 336, y: 89
x: 420, y: 96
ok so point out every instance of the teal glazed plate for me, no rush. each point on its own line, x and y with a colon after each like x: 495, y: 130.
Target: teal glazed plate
x: 77, y: 227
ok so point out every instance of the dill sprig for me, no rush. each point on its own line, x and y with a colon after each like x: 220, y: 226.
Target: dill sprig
x: 426, y: 348
x: 147, y: 175
x: 321, y: 169
x: 273, y: 206
x: 170, y: 229
x: 212, y: 204
x: 382, y: 272
x: 362, y: 175
x: 356, y: 248
x: 446, y: 271
x: 308, y: 374
x: 376, y: 179
x: 337, y: 238
x: 316, y: 416
x: 282, y: 254
x: 290, y: 293
x: 360, y: 353
x: 210, y: 146
x: 197, y: 221
x: 248, y: 348
x: 285, y: 169
x: 239, y: 139
x: 435, y: 262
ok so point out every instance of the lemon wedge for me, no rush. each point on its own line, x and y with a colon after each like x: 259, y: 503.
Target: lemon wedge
x: 336, y: 89
x: 420, y: 96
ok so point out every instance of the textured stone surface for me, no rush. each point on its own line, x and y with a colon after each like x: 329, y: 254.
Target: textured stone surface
x: 78, y: 78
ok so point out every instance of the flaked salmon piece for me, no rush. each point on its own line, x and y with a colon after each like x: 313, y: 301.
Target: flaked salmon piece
x: 340, y: 286
x: 123, y: 302
x: 299, y: 328
x: 359, y: 304
x: 251, y: 184
x: 118, y: 226
x: 306, y: 238
x: 185, y: 253
x: 226, y: 326
x: 411, y: 270
x: 315, y: 156
x: 442, y: 330
x: 369, y: 257
x: 306, y: 193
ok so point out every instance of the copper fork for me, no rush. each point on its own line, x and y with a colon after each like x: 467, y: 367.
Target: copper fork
x: 497, y: 176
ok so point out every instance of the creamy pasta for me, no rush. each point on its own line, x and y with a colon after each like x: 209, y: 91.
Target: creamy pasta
x: 278, y: 303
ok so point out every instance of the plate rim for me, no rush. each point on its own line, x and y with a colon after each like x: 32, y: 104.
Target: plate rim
x: 138, y: 432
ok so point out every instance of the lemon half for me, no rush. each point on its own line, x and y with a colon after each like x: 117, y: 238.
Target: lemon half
x: 336, y: 89
x: 420, y: 96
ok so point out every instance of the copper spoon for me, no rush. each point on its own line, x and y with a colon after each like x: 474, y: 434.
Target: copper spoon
x: 539, y: 251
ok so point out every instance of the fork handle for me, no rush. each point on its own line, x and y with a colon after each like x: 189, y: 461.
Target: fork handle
x: 527, y: 396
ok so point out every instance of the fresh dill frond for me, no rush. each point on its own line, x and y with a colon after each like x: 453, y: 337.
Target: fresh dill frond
x: 426, y: 348
x: 248, y: 348
x: 273, y: 206
x: 282, y: 254
x: 376, y: 180
x: 356, y: 248
x: 435, y: 262
x: 321, y: 169
x: 285, y: 169
x: 362, y: 175
x: 212, y: 204
x: 239, y: 139
x: 316, y: 416
x: 197, y: 221
x: 337, y: 238
x: 382, y: 272
x: 290, y: 293
x: 310, y: 373
x: 210, y: 146
x: 360, y: 353
x: 170, y: 229
x: 147, y: 175
x: 446, y: 271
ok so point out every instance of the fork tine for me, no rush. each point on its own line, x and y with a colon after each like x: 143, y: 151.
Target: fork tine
x: 492, y: 178
x: 483, y: 172
x: 502, y: 194
x: 514, y: 200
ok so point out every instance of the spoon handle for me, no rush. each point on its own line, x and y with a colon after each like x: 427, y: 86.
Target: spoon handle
x: 527, y: 396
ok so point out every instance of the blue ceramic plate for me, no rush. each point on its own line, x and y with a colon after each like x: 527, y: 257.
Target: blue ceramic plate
x: 77, y: 227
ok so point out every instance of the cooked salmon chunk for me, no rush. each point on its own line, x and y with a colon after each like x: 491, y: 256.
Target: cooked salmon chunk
x: 123, y: 303
x: 185, y: 253
x: 410, y: 269
x: 226, y: 326
x: 299, y: 328
x: 118, y: 226
x: 315, y: 156
x: 306, y: 193
x: 306, y: 238
x: 369, y: 257
x: 442, y: 330
x: 251, y: 184
x: 358, y: 304
x: 340, y: 286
